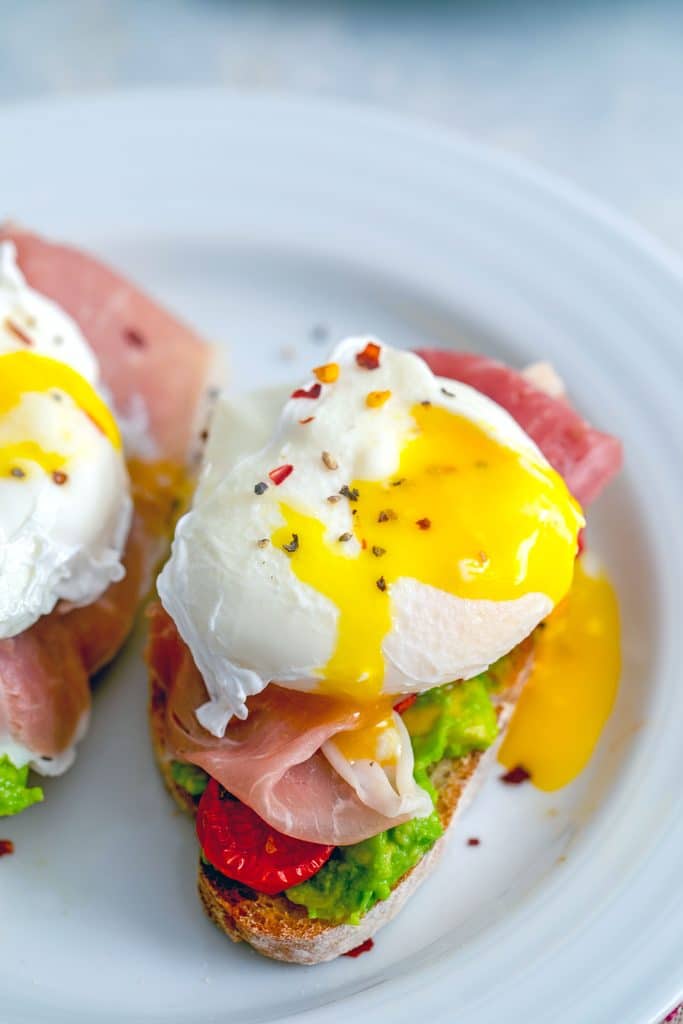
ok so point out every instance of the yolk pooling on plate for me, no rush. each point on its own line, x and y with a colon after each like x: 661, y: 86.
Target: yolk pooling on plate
x: 464, y: 513
x: 572, y: 688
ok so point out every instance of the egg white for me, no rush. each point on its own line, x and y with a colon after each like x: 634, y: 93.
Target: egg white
x: 56, y: 542
x: 245, y: 616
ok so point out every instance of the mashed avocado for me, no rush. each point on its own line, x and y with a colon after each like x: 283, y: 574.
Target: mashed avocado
x: 15, y: 795
x: 448, y: 721
x: 191, y: 778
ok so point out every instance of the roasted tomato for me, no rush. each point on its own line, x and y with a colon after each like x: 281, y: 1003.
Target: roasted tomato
x: 241, y: 845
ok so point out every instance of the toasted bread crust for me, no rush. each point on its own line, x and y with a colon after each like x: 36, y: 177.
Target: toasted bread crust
x: 281, y: 929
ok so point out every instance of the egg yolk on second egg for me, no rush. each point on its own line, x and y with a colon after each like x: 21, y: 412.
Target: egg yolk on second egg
x: 23, y: 373
x: 464, y: 513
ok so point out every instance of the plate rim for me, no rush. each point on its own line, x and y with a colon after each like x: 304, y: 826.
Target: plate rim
x: 555, y: 188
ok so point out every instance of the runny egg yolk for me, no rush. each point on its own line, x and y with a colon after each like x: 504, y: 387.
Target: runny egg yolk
x: 23, y: 373
x: 374, y: 736
x: 464, y: 513
x: 572, y: 688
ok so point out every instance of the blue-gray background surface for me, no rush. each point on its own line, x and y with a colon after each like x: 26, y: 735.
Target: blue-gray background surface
x: 593, y: 91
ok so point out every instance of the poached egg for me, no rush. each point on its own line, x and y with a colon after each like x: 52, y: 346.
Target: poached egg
x: 385, y: 532
x: 65, y: 506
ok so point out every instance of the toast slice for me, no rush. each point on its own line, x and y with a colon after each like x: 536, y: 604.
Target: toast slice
x: 282, y: 930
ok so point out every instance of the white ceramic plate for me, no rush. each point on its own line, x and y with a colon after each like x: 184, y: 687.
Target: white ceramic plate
x: 261, y: 219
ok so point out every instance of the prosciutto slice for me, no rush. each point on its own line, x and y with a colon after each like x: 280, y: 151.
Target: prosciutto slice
x: 272, y: 761
x: 586, y: 458
x: 154, y: 362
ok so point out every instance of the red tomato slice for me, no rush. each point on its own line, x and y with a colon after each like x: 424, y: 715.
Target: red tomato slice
x: 244, y: 847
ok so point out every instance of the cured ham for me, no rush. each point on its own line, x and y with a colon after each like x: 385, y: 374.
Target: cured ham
x: 149, y: 359
x: 154, y: 363
x: 586, y: 458
x: 273, y: 760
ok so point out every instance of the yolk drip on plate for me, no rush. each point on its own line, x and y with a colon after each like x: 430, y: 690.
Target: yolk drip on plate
x: 23, y: 373
x: 464, y: 513
x: 572, y: 688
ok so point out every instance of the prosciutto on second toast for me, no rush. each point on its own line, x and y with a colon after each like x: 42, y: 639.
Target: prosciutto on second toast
x: 151, y: 363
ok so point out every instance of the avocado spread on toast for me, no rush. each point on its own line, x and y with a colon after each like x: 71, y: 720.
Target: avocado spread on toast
x: 448, y: 721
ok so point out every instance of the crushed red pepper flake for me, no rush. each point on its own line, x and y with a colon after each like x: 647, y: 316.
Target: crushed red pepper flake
x: 293, y: 544
x: 6, y: 847
x: 515, y: 776
x: 327, y: 374
x: 381, y: 584
x: 376, y: 399
x: 473, y: 841
x: 133, y: 337
x: 280, y: 473
x: 59, y: 478
x: 308, y: 419
x: 17, y: 331
x: 405, y: 703
x: 368, y: 359
x: 424, y: 523
x: 312, y: 392
x: 364, y: 947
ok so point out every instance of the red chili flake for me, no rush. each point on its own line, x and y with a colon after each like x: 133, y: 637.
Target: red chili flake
x: 364, y: 947
x: 18, y: 333
x: 59, y: 478
x: 134, y: 338
x: 581, y: 541
x: 6, y: 847
x: 515, y: 776
x: 309, y: 419
x: 405, y: 703
x: 473, y: 841
x: 280, y: 473
x: 327, y: 374
x: 369, y: 357
x: 312, y: 392
x: 364, y: 544
x: 424, y: 524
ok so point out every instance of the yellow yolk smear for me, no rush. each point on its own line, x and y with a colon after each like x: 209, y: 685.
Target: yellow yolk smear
x: 464, y: 513
x: 373, y: 738
x: 24, y: 373
x: 568, y: 698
